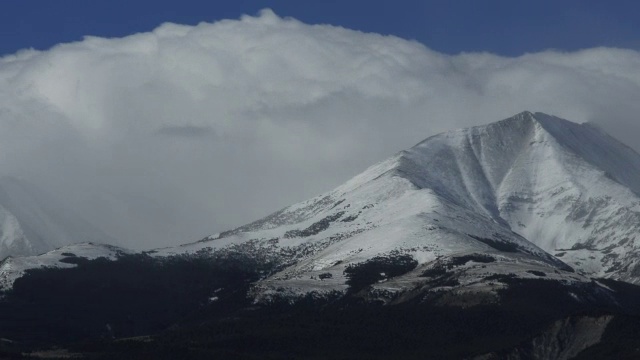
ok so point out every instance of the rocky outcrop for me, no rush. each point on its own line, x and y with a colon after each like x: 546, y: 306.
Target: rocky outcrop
x: 561, y: 341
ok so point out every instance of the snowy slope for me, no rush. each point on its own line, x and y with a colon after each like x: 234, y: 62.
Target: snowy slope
x: 32, y: 222
x: 12, y: 268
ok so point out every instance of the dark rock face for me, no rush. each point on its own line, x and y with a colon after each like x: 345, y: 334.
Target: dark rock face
x: 315, y: 228
x: 563, y: 340
x: 377, y: 269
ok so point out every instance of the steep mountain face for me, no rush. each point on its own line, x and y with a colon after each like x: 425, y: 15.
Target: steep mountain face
x: 32, y: 222
x: 569, y: 189
x: 563, y: 340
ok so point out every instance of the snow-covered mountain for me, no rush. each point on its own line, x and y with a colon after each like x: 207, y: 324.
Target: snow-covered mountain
x: 570, y: 189
x: 530, y: 196
x: 33, y: 222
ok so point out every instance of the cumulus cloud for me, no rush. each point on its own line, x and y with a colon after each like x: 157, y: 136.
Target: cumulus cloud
x: 167, y: 136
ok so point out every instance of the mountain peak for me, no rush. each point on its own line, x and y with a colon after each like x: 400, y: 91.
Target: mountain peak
x: 553, y: 125
x: 503, y: 142
x: 523, y: 116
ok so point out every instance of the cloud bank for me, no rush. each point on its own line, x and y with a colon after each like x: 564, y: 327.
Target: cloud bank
x: 164, y: 137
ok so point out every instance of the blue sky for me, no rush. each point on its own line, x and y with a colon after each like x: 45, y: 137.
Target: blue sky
x: 504, y: 27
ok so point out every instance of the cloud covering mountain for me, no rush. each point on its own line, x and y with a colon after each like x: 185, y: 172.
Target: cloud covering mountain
x: 166, y: 136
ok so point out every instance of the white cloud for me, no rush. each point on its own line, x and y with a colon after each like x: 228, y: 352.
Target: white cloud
x: 168, y: 136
